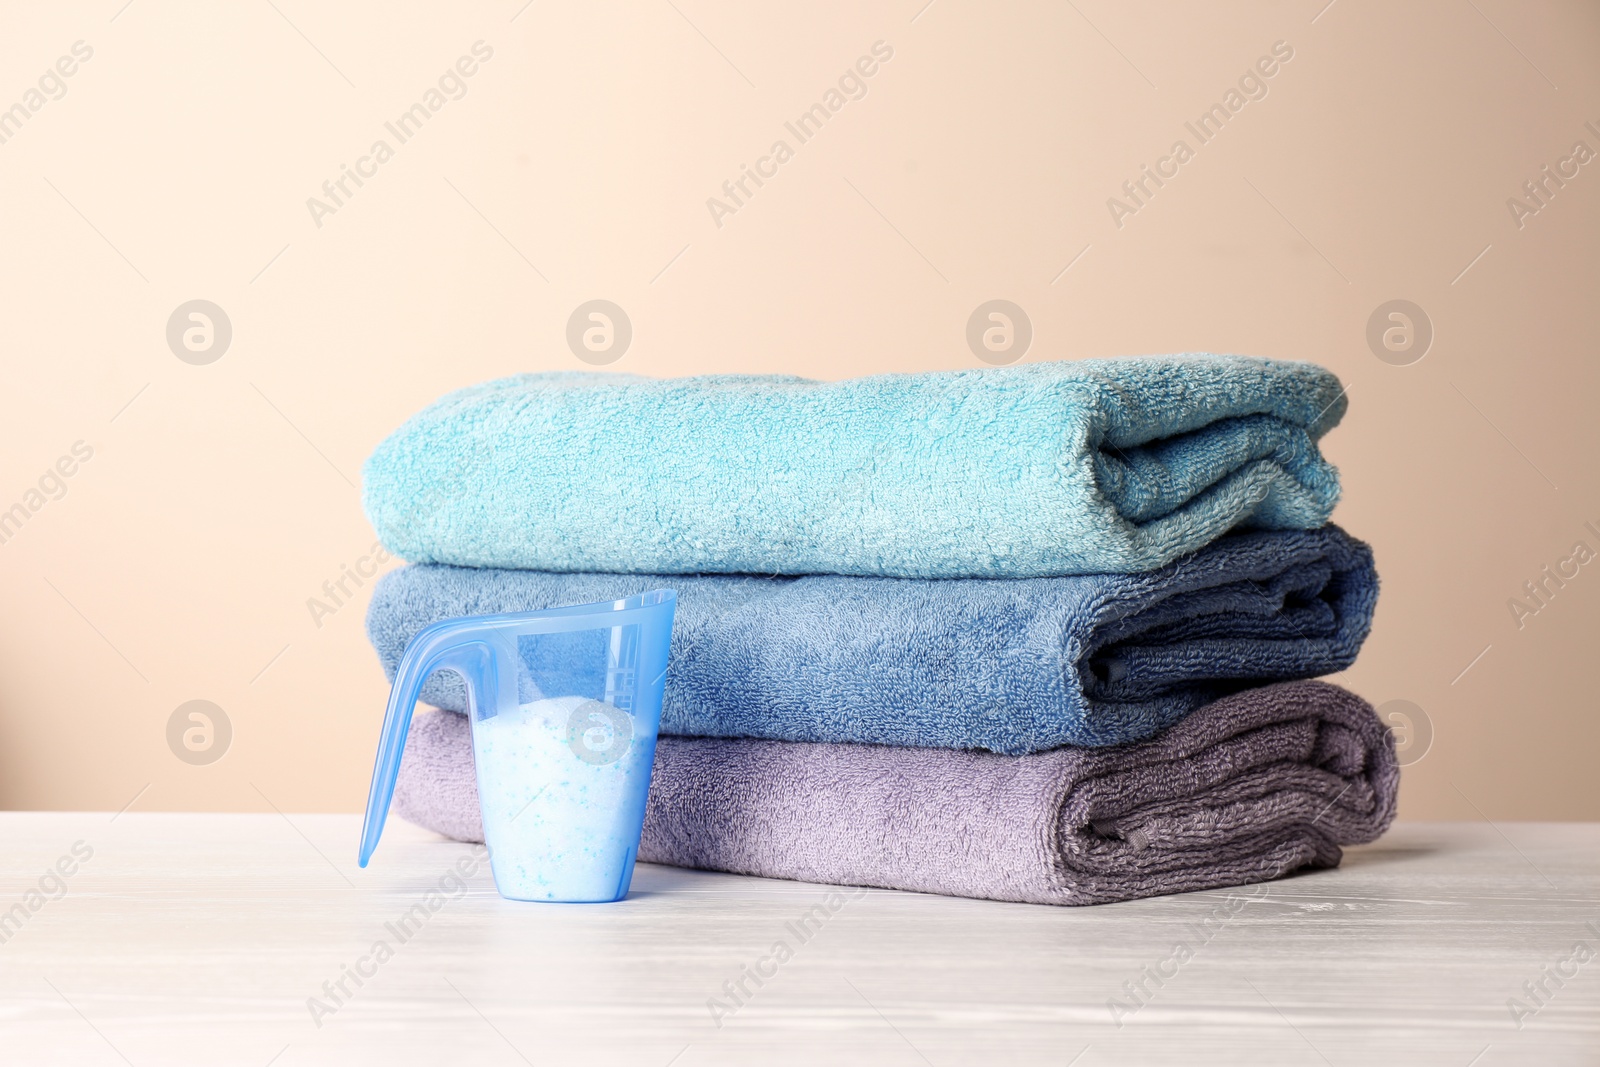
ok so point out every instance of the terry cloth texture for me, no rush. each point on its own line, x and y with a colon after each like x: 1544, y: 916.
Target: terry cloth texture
x: 1249, y: 788
x: 1035, y: 470
x: 1012, y: 666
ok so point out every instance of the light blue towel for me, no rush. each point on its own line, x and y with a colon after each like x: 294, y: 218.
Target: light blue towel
x: 1014, y: 666
x: 1034, y: 470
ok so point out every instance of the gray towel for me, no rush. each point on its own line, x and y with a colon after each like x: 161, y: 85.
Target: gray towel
x: 1246, y: 789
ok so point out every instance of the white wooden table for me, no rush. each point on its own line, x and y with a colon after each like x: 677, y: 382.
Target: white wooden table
x: 200, y: 939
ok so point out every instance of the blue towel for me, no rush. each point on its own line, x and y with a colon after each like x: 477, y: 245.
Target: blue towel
x: 1036, y: 470
x: 1010, y: 665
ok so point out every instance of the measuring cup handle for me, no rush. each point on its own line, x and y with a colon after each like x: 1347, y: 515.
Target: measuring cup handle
x: 455, y: 645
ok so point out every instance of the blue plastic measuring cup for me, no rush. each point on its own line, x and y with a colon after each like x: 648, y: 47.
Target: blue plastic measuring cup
x: 565, y: 704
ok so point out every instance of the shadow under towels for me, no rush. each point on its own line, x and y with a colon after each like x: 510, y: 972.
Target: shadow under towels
x: 1246, y: 789
x: 1011, y: 666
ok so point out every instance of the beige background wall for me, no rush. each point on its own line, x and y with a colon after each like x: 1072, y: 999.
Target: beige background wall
x: 220, y: 497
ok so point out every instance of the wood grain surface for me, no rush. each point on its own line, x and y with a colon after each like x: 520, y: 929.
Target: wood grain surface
x: 207, y: 939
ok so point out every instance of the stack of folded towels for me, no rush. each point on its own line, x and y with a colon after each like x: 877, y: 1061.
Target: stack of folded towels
x: 1031, y: 633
